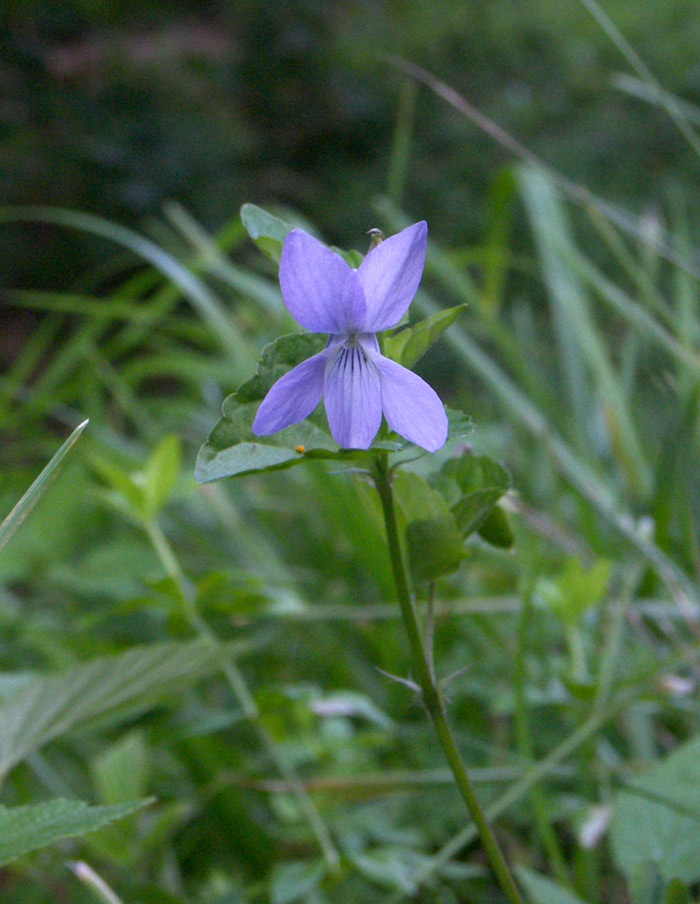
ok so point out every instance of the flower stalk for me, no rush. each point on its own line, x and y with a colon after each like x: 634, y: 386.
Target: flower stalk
x: 431, y: 694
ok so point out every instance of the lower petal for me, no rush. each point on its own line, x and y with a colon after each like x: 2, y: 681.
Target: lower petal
x: 352, y: 398
x: 293, y: 397
x: 411, y: 407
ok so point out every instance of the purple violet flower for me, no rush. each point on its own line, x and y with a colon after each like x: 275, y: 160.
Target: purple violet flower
x: 357, y: 383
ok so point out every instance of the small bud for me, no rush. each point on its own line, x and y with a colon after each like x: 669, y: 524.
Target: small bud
x: 377, y: 237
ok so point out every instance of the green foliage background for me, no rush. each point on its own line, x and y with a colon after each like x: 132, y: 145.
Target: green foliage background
x: 205, y: 661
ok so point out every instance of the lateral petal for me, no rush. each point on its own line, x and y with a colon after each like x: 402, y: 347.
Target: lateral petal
x: 293, y: 397
x: 411, y: 407
x: 352, y: 398
x: 320, y: 290
x: 390, y: 275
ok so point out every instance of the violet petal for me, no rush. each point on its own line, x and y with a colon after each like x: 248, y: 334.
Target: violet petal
x: 352, y: 398
x: 320, y: 290
x: 411, y: 407
x: 390, y: 275
x: 293, y: 397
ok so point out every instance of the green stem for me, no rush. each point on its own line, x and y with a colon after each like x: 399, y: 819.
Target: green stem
x: 241, y: 691
x: 432, y: 697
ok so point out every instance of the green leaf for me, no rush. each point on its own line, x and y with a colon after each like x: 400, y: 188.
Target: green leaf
x: 410, y: 344
x: 496, y: 529
x: 39, y: 487
x: 352, y: 258
x: 656, y: 819
x: 119, y: 774
x: 293, y: 881
x: 161, y: 475
x: 48, y: 706
x: 433, y: 540
x: 392, y: 867
x: 542, y: 890
x: 459, y: 424
x: 120, y: 771
x: 128, y: 493
x: 472, y: 485
x: 576, y: 589
x: 268, y: 232
x: 232, y: 449
x: 25, y: 829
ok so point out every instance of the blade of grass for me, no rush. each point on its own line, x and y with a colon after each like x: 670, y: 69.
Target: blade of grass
x: 212, y: 260
x: 637, y: 271
x: 401, y: 143
x: 34, y: 350
x: 580, y: 342
x: 201, y: 298
x: 567, y: 303
x: 667, y: 101
x: 114, y: 308
x: 20, y: 512
x: 633, y: 313
x: 637, y: 87
x: 570, y: 465
x: 573, y: 190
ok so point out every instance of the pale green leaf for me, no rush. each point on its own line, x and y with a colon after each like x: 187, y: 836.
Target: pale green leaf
x: 293, y: 881
x: 161, y: 474
x: 408, y: 345
x: 120, y: 771
x: 657, y: 818
x: 392, y: 867
x: 268, y: 232
x: 26, y: 829
x: 576, y: 588
x: 542, y: 890
x: 48, y: 706
x: 128, y: 493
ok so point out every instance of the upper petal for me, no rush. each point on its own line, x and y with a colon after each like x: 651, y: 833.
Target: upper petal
x: 293, y: 397
x: 390, y: 275
x: 352, y: 398
x: 411, y: 407
x: 321, y: 291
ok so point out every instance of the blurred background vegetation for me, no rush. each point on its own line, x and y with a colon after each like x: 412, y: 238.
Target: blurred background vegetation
x: 577, y: 358
x: 117, y: 107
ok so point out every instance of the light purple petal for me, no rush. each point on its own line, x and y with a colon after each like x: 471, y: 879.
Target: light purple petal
x: 320, y: 290
x: 293, y: 397
x: 410, y: 406
x: 390, y: 275
x: 352, y: 398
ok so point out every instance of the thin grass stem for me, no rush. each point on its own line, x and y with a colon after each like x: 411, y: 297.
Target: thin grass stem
x: 245, y: 698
